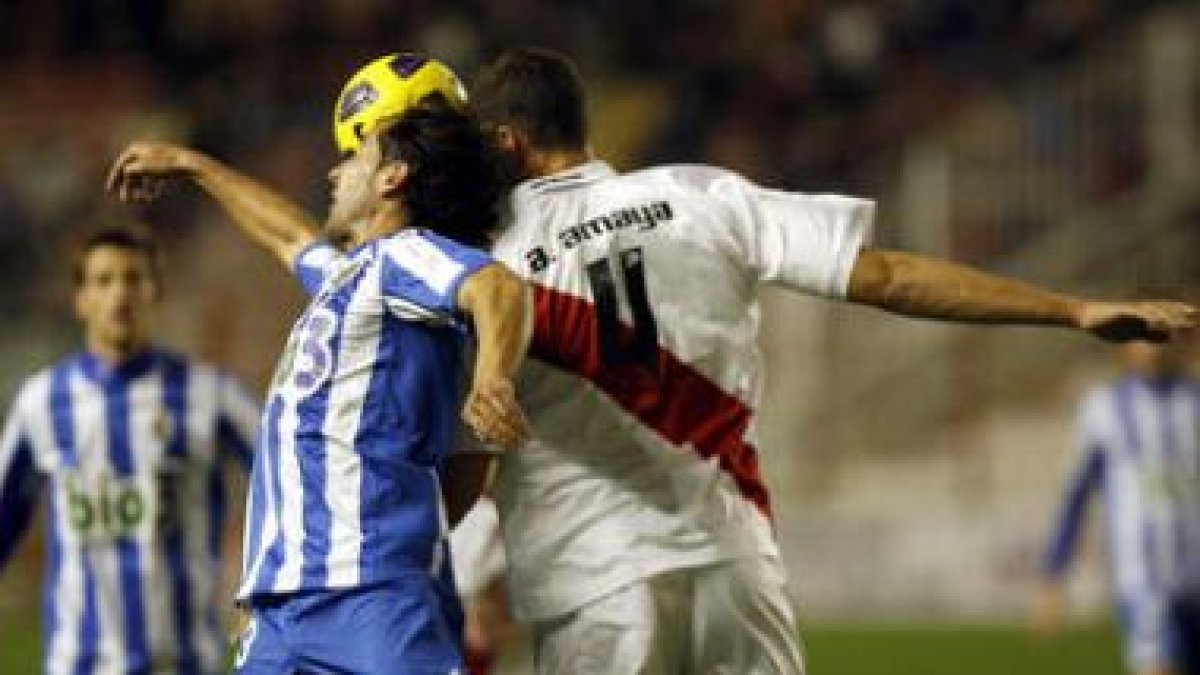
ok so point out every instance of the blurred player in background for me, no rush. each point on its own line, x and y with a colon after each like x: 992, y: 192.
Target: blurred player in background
x: 637, y: 525
x: 1139, y: 440
x: 346, y: 564
x: 129, y: 440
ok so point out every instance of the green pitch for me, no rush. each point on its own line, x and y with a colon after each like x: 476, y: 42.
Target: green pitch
x: 907, y: 649
x: 947, y: 649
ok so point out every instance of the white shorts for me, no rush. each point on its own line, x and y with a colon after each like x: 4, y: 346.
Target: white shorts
x: 731, y: 618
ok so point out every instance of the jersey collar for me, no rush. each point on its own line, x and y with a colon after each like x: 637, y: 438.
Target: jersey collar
x: 583, y: 174
x: 1160, y: 384
x: 97, y: 369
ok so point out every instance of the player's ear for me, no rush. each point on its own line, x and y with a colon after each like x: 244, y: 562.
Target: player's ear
x: 508, y: 138
x: 390, y: 179
x: 79, y: 302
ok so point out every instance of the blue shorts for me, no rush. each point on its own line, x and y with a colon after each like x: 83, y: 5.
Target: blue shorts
x: 407, y: 626
x: 1162, y: 631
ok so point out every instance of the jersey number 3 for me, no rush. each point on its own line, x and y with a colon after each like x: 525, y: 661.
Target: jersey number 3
x: 620, y: 347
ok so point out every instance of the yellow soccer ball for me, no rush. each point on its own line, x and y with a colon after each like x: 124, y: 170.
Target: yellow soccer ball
x: 386, y: 87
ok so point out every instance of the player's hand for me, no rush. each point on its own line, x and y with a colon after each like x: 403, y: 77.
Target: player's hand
x: 493, y: 413
x: 1149, y: 321
x: 141, y: 172
x: 1048, y: 610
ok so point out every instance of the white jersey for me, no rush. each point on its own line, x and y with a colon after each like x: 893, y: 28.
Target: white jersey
x: 1141, y: 450
x: 645, y: 375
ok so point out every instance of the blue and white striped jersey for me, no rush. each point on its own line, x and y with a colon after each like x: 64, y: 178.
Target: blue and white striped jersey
x: 362, y: 411
x: 130, y: 456
x: 1141, y: 449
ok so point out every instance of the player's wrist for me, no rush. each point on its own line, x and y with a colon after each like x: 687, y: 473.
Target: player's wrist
x: 1075, y: 313
x: 192, y: 163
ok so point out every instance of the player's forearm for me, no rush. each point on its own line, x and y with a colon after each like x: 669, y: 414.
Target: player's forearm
x: 18, y: 499
x: 499, y: 305
x: 265, y: 216
x: 923, y: 287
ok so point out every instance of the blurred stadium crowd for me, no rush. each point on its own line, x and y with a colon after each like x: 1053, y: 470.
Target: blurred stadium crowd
x: 801, y: 92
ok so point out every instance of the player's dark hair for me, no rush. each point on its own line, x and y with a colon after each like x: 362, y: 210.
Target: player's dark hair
x: 538, y: 91
x: 123, y: 237
x: 453, y: 186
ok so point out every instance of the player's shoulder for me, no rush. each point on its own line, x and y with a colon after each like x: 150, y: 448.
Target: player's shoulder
x: 420, y: 245
x: 170, y: 358
x: 194, y: 368
x: 434, y: 259
x: 704, y: 178
x: 33, y: 392
x: 36, y: 386
x: 1099, y: 394
x: 1101, y: 401
x: 318, y: 253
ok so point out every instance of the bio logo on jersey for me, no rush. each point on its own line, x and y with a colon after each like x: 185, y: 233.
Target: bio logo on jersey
x: 108, y: 507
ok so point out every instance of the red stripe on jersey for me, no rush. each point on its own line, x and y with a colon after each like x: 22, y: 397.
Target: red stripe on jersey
x: 671, y: 397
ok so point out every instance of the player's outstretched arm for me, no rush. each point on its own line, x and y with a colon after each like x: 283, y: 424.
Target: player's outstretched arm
x: 924, y: 287
x: 499, y: 306
x: 267, y: 217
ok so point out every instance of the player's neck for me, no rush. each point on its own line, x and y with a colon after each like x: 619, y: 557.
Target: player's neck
x: 1164, y: 373
x: 384, y: 223
x: 550, y: 162
x: 115, y: 354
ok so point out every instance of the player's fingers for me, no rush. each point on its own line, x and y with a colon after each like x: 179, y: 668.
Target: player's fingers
x: 112, y: 182
x: 134, y: 189
x: 496, y: 399
x: 1164, y: 318
x: 123, y: 191
x: 506, y: 434
x: 122, y: 167
x: 502, y: 405
x: 148, y: 188
x: 478, y: 422
x: 1183, y: 316
x: 491, y: 424
x: 507, y: 413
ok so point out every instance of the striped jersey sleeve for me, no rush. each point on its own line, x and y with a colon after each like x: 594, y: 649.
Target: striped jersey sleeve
x: 1086, y: 478
x: 422, y: 271
x: 311, y: 264
x: 20, y: 481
